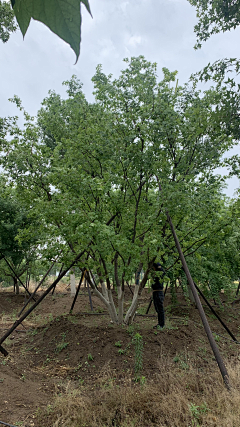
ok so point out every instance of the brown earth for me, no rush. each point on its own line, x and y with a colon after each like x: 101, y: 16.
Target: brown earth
x: 52, y: 347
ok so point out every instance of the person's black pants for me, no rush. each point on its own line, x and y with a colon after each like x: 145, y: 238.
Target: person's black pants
x: 158, y: 299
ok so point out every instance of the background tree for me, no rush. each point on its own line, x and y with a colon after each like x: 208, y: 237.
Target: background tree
x: 7, y: 21
x: 215, y: 16
x: 17, y: 254
x: 216, y: 264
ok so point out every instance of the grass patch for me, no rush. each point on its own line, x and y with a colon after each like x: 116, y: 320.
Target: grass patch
x: 175, y: 398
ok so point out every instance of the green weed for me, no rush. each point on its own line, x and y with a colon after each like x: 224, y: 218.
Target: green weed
x: 62, y: 344
x: 217, y: 337
x: 138, y: 346
x: 197, y: 411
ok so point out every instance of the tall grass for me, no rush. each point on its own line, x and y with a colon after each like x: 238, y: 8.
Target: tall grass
x: 174, y: 398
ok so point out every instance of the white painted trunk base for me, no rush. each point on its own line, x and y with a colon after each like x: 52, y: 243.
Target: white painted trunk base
x: 72, y: 285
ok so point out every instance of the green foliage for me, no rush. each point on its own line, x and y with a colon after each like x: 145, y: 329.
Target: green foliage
x: 7, y: 21
x: 215, y: 16
x: 141, y: 380
x: 138, y: 347
x: 62, y: 344
x: 63, y: 18
x: 197, y: 411
x: 13, y: 217
x: 90, y: 174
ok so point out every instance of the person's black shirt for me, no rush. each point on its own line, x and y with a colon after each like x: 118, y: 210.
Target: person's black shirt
x: 158, y: 276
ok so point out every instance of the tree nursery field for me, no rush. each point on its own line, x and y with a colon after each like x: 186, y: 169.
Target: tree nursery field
x: 128, y: 194
x: 81, y: 369
x: 124, y: 194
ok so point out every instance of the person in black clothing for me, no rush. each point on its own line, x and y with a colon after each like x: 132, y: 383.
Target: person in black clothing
x: 158, y: 294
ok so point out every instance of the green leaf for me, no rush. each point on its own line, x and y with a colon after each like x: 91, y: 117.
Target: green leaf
x: 86, y: 3
x: 60, y: 16
x: 23, y: 15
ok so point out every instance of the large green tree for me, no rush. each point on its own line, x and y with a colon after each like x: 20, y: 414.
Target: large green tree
x: 100, y: 176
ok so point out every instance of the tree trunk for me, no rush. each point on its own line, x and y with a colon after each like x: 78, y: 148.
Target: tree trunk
x: 104, y: 291
x: 237, y: 292
x: 120, y: 304
x: 106, y: 302
x: 15, y: 285
x: 113, y: 308
x: 190, y: 294
x: 131, y: 311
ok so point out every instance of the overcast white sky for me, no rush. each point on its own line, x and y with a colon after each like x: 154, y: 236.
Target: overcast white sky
x: 162, y: 31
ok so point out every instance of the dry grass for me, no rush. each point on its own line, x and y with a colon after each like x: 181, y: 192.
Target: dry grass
x: 176, y: 398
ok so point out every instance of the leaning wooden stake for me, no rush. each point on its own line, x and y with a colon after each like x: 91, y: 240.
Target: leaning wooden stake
x: 215, y: 314
x: 38, y: 302
x: 208, y: 331
x: 18, y: 278
x: 149, y: 305
x: 36, y: 289
x: 3, y: 351
x: 78, y: 289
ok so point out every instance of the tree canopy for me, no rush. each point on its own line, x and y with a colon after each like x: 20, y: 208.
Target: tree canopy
x: 91, y: 173
x: 214, y: 17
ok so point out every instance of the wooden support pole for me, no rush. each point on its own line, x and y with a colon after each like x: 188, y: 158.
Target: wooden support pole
x: 208, y: 331
x: 215, y: 314
x: 40, y: 299
x: 78, y: 289
x: 38, y: 286
x: 18, y: 278
x: 149, y: 305
x: 3, y: 351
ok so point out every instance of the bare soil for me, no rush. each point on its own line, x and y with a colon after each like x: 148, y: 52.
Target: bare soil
x: 52, y: 347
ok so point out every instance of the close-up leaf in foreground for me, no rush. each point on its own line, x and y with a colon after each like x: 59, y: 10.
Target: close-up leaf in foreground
x: 61, y: 17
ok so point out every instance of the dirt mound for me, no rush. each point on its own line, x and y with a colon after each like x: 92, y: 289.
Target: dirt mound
x: 9, y: 302
x: 52, y: 347
x: 87, y: 349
